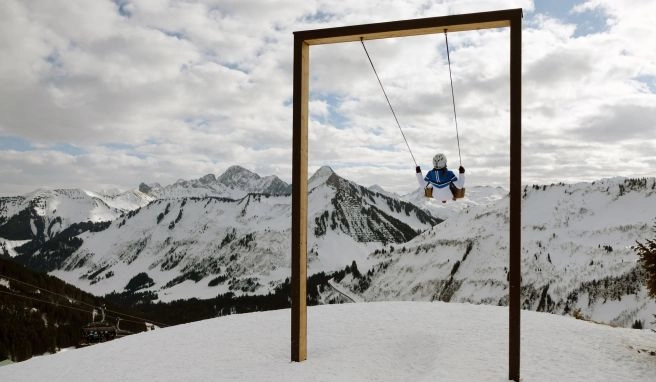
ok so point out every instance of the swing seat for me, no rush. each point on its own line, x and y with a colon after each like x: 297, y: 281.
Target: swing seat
x: 428, y: 192
x: 458, y: 193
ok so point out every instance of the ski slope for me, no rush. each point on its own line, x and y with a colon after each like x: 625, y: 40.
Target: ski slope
x: 391, y: 341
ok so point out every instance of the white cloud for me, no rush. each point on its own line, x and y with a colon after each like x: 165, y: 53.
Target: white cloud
x: 189, y: 88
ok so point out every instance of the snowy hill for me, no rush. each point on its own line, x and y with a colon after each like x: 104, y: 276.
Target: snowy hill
x: 404, y: 341
x: 70, y: 205
x: 576, y: 254
x: 203, y: 246
x: 37, y: 217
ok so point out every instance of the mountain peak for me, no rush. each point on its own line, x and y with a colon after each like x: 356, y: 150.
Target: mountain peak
x: 207, y: 179
x: 143, y: 187
x: 237, y: 177
x: 324, y: 170
x: 377, y: 188
x: 320, y: 176
x: 236, y: 174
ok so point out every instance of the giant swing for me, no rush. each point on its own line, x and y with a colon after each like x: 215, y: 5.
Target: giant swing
x: 511, y: 18
x: 434, y: 180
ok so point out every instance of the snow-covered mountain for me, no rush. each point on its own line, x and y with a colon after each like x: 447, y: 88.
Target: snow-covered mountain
x: 235, y: 183
x: 42, y: 214
x: 576, y: 254
x: 201, y: 246
x: 392, y: 341
x: 576, y: 242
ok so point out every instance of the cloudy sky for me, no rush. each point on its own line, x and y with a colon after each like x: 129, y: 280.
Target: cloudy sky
x: 106, y: 94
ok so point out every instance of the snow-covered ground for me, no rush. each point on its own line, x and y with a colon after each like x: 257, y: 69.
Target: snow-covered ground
x: 391, y: 341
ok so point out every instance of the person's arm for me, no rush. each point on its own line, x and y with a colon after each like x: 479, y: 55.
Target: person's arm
x: 420, y: 178
x: 460, y: 182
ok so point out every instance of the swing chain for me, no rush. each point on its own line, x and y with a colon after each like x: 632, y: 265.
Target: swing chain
x: 388, y: 101
x: 453, y: 97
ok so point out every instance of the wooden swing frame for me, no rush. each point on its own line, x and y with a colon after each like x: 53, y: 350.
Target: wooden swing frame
x: 511, y: 18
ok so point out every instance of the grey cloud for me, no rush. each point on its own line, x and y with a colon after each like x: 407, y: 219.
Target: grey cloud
x: 616, y: 123
x: 215, y: 92
x: 562, y: 65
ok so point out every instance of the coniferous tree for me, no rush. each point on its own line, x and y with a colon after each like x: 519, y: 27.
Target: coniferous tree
x: 647, y: 253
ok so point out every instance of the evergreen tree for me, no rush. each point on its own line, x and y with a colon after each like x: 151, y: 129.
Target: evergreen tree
x: 647, y: 253
x: 354, y: 269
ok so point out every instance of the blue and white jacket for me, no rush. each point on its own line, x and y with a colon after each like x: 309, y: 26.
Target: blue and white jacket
x: 440, y: 182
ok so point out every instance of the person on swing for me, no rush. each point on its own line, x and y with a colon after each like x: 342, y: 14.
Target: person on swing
x: 441, y: 179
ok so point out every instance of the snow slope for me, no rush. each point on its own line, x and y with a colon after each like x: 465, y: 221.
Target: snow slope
x: 576, y: 253
x: 479, y: 196
x: 403, y: 341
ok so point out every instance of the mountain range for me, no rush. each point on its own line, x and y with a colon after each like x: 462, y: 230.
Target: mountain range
x: 233, y: 184
x: 205, y: 243
x: 576, y: 254
x: 231, y: 234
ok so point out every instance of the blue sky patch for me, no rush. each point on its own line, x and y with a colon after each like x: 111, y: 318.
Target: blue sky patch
x: 587, y: 22
x: 14, y: 143
x: 318, y: 16
x: 211, y: 56
x: 648, y: 80
x: 334, y: 118
x: 235, y: 66
x: 197, y: 123
x: 20, y: 144
x: 68, y: 149
x: 57, y: 69
x: 175, y: 34
x: 118, y: 146
x: 122, y: 7
x: 54, y: 59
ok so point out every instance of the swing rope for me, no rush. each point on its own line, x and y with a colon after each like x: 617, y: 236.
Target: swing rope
x: 453, y: 97
x: 388, y: 101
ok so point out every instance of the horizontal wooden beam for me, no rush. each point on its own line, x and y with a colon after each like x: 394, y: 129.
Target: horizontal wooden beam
x: 414, y: 27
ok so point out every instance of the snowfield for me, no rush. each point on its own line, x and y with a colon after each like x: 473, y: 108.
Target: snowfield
x: 391, y: 341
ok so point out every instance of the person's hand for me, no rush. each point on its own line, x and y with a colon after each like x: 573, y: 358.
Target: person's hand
x: 418, y: 169
x: 461, y: 170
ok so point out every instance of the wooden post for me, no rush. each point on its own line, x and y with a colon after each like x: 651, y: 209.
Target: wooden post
x: 302, y: 39
x: 299, y: 199
x: 515, y: 237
